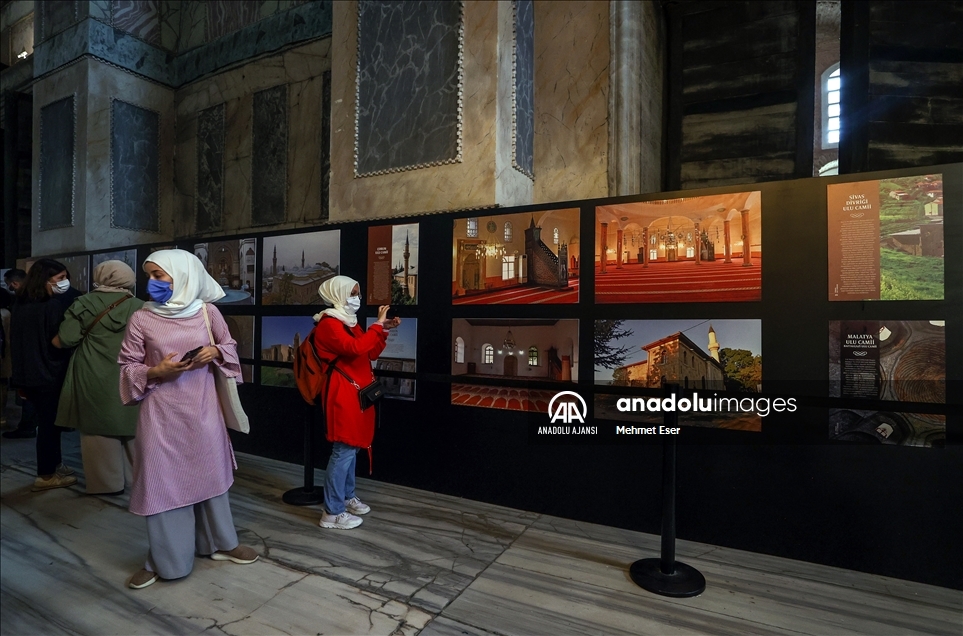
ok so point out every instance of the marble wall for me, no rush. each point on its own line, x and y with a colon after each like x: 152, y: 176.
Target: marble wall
x: 468, y: 183
x: 140, y: 18
x: 134, y: 170
x: 409, y: 85
x: 285, y: 176
x: 571, y: 100
x: 58, y: 142
x: 57, y: 15
x: 523, y: 72
x: 209, y: 196
x: 269, y: 156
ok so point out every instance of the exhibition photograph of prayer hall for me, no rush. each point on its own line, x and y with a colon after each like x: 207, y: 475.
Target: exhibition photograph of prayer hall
x: 439, y: 317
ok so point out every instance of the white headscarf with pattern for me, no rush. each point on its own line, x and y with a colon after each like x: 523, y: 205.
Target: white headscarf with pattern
x: 192, y: 287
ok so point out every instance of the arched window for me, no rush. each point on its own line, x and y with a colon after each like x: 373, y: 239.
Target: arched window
x: 663, y: 357
x: 488, y: 354
x: 831, y: 83
x: 473, y: 227
x: 508, y: 268
x: 685, y: 357
x: 533, y: 356
x: 555, y: 236
x: 508, y: 231
x: 686, y: 385
x: 704, y: 382
x: 459, y: 350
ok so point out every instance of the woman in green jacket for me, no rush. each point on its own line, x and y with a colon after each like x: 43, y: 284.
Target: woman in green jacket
x: 90, y: 401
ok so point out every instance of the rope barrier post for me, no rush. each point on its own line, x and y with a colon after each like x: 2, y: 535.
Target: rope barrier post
x: 666, y: 576
x: 309, y: 494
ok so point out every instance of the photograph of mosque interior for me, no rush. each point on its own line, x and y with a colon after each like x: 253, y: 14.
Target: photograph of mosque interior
x: 453, y: 317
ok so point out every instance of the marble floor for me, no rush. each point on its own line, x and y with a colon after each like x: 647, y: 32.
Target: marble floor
x: 422, y: 563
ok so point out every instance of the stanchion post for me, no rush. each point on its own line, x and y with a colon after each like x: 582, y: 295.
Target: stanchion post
x: 665, y: 575
x: 309, y: 494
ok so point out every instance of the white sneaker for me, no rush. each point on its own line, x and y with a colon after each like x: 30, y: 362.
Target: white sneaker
x: 357, y: 507
x: 344, y: 521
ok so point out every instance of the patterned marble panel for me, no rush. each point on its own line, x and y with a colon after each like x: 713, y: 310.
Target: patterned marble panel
x: 140, y: 18
x: 326, y: 146
x: 190, y: 34
x: 134, y: 176
x: 408, y: 86
x: 523, y: 90
x: 210, y: 168
x: 269, y: 156
x: 99, y: 10
x: 58, y: 122
x: 169, y: 17
x: 56, y: 15
x: 227, y: 16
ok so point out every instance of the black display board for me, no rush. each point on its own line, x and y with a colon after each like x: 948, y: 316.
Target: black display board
x: 787, y: 490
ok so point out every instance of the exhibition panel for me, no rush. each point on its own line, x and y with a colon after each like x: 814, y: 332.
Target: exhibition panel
x: 678, y: 293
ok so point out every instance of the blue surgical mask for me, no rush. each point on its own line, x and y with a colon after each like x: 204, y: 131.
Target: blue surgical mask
x: 353, y: 304
x: 160, y: 291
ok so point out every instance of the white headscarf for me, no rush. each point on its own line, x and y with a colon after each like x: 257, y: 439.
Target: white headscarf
x: 335, y: 292
x: 192, y: 287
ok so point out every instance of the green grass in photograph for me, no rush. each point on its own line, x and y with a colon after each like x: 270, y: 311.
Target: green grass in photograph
x: 278, y: 376
x: 906, y: 277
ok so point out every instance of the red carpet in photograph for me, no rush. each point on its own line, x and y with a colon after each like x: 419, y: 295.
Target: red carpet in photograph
x: 523, y: 295
x: 495, y: 397
x: 680, y: 282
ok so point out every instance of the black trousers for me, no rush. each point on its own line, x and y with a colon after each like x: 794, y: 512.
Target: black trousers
x: 45, y: 401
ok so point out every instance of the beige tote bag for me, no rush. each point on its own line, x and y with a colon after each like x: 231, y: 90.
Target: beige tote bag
x: 234, y: 416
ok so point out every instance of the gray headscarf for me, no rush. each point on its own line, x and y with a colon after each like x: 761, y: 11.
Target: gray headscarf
x: 114, y: 276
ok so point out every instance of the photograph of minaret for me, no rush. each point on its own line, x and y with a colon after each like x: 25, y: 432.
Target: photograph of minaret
x: 529, y: 258
x: 711, y: 356
x: 392, y: 265
x: 296, y: 264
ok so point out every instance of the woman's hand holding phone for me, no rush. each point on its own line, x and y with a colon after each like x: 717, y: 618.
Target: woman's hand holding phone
x: 167, y: 367
x: 385, y: 322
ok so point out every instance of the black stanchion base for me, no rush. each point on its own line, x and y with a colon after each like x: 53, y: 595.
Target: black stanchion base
x: 304, y: 496
x: 687, y: 581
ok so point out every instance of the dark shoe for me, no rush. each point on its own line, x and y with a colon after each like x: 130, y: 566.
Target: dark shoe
x: 241, y: 554
x: 64, y: 470
x: 20, y: 433
x: 142, y: 579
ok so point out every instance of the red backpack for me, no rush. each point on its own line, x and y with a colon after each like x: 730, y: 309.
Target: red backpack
x: 310, y: 371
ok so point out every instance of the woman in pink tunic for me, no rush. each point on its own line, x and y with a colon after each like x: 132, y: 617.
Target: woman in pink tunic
x: 185, y: 462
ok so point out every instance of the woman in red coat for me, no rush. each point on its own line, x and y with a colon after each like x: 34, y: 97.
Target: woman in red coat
x: 339, y: 337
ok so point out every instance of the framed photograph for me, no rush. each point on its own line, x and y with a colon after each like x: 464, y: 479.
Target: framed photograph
x: 694, y: 249
x: 528, y: 258
x: 242, y: 330
x: 295, y: 265
x: 400, y: 354
x: 709, y: 356
x: 80, y: 271
x: 233, y: 265
x: 886, y: 239
x: 392, y: 265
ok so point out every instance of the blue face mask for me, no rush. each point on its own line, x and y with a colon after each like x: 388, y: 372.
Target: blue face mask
x: 160, y: 291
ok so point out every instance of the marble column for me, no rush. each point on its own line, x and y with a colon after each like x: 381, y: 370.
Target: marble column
x: 635, y: 96
x: 645, y: 247
x: 618, y: 243
x: 604, y: 246
x: 698, y: 245
x: 725, y: 225
x: 746, y: 240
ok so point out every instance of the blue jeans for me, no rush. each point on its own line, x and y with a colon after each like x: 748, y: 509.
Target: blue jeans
x: 339, y: 477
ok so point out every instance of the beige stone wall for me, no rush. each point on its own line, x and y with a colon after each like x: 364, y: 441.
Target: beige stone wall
x: 301, y: 69
x: 470, y: 183
x: 571, y: 100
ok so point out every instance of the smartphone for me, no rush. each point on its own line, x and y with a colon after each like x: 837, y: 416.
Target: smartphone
x: 190, y: 354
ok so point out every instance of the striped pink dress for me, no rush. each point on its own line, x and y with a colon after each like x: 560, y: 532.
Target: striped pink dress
x: 183, y: 452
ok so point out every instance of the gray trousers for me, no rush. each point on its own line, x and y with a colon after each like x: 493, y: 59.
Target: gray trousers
x: 176, y: 535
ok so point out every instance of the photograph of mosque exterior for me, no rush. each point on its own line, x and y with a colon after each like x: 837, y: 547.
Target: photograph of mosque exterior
x: 886, y: 239
x: 295, y: 265
x: 893, y: 360
x: 392, y: 265
x: 516, y: 259
x: 708, y: 356
x: 233, y: 265
x: 400, y: 354
x: 516, y: 349
x: 280, y: 337
x: 693, y: 249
